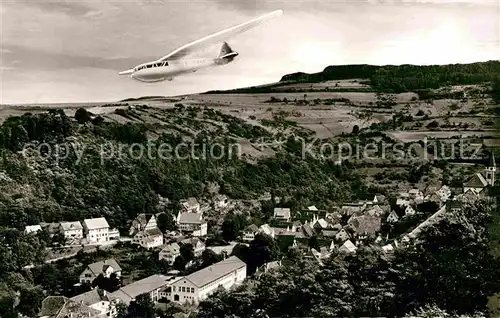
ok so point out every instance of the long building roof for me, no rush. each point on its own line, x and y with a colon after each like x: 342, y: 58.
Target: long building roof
x: 215, y: 271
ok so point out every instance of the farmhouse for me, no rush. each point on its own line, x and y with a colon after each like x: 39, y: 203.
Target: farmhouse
x: 141, y: 223
x: 62, y: 307
x: 106, y: 268
x: 170, y: 252
x: 97, y: 299
x: 482, y: 180
x: 192, y: 223
x: 149, y: 238
x: 71, y: 230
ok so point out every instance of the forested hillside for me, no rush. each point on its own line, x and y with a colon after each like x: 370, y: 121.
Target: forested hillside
x: 405, y: 78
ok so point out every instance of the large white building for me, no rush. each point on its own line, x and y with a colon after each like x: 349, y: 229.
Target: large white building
x: 199, y: 285
x: 192, y: 223
x: 96, y: 230
x: 71, y: 230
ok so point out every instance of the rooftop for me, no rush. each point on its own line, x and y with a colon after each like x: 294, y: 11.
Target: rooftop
x: 97, y: 223
x: 191, y: 218
x: 215, y: 271
x: 98, y: 267
x: 71, y: 226
x: 146, y: 285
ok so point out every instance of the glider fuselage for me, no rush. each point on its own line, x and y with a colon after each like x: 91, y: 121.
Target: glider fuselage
x: 157, y: 71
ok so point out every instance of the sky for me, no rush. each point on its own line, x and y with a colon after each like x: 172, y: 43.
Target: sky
x: 71, y: 50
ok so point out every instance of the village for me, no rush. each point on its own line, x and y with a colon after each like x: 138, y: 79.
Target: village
x: 342, y: 230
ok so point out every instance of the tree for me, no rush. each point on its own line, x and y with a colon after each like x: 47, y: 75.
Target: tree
x: 355, y: 129
x: 82, y: 116
x: 209, y: 257
x: 229, y: 229
x: 165, y: 222
x: 262, y: 249
x: 30, y: 301
x: 187, y: 252
x: 180, y: 263
x: 142, y: 307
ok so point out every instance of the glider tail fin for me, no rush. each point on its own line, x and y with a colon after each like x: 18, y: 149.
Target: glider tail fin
x: 226, y: 52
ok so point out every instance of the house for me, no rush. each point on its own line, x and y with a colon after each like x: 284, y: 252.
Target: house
x: 379, y: 198
x: 97, y: 299
x: 387, y: 248
x: 199, y: 285
x: 190, y: 205
x: 320, y: 224
x: 149, y: 238
x: 249, y: 233
x: 393, y: 217
x: 106, y: 268
x: 96, y: 230
x: 482, y: 180
x: 348, y: 247
x: 444, y: 193
x: 113, y: 234
x: 170, y: 252
x: 192, y: 223
x: 282, y: 214
x: 225, y: 249
x: 318, y: 256
x: 267, y: 230
x: 71, y: 230
x: 342, y: 235
x: 32, y: 229
x: 409, y: 210
x: 401, y: 202
x: 416, y: 194
x: 62, y: 307
x: 308, y: 230
x: 198, y: 245
x: 221, y: 201
x: 312, y: 208
x: 141, y: 223
x: 150, y: 285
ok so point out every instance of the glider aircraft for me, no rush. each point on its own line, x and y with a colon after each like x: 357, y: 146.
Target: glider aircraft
x: 179, y: 62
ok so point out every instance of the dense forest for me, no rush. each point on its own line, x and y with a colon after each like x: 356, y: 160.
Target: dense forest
x: 47, y: 187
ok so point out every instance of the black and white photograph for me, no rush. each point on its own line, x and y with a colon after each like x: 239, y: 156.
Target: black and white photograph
x: 249, y: 158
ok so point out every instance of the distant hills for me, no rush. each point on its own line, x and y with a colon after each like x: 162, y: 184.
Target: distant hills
x: 403, y: 78
x: 389, y: 78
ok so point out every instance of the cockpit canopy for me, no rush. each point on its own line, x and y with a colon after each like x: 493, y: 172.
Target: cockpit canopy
x: 151, y: 65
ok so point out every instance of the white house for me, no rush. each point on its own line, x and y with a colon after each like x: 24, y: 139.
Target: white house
x: 416, y: 194
x: 266, y: 229
x: 106, y: 268
x: 482, y: 180
x: 221, y: 201
x: 393, y: 217
x: 199, y: 285
x: 141, y: 223
x: 444, y: 193
x: 342, y: 235
x: 191, y: 205
x: 149, y: 238
x: 192, y: 223
x: 62, y: 307
x: 96, y: 230
x: 282, y: 214
x: 97, y: 299
x: 170, y: 252
x: 249, y: 233
x: 409, y: 210
x: 348, y: 247
x: 71, y: 230
x: 32, y: 229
